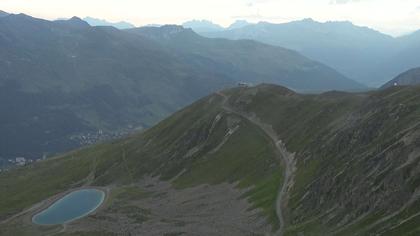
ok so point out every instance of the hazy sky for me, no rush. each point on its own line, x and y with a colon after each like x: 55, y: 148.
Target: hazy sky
x: 390, y: 16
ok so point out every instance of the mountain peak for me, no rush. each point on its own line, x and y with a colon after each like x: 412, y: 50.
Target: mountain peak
x: 75, y: 22
x: 239, y: 24
x: 308, y: 20
x: 164, y: 32
x: 75, y: 18
x: 99, y: 22
x: 21, y: 15
x: 202, y: 26
x: 174, y: 28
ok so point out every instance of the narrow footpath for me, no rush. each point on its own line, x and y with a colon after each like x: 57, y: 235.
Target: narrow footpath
x: 283, y: 155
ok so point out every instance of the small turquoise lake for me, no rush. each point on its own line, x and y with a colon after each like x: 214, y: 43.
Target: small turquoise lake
x: 72, y: 206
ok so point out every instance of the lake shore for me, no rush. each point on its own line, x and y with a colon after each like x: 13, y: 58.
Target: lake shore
x: 40, y: 207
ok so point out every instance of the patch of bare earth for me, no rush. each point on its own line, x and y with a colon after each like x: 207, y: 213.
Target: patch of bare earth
x: 160, y: 209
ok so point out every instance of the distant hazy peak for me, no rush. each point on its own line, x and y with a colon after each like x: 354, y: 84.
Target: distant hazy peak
x: 166, y: 28
x: 99, y: 22
x: 239, y: 24
x: 308, y: 20
x: 76, y: 19
x: 153, y: 25
x: 165, y: 32
x: 74, y: 22
x: 412, y: 38
x: 202, y: 26
x: 21, y: 15
x: 174, y: 28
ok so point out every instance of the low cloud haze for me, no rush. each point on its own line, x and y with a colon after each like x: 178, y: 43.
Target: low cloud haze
x: 343, y: 1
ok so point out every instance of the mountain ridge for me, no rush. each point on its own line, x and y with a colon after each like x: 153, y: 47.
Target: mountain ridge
x: 187, y: 41
x: 100, y: 22
x: 202, y: 26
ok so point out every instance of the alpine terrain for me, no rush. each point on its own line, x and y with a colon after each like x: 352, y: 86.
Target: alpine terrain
x: 244, y: 161
x: 65, y: 84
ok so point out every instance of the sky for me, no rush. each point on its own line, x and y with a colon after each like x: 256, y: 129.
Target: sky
x: 394, y: 17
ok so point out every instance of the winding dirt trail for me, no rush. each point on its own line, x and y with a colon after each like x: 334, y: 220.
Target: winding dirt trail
x: 283, y: 155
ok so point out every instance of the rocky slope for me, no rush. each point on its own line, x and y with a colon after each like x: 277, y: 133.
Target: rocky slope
x: 245, y: 161
x: 410, y: 77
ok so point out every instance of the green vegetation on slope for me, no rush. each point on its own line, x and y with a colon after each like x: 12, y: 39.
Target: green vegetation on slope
x: 356, y: 156
x: 202, y: 144
x: 357, y: 160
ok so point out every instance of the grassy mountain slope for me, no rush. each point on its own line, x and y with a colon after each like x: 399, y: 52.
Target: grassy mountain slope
x: 355, y: 168
x: 356, y: 159
x: 203, y: 144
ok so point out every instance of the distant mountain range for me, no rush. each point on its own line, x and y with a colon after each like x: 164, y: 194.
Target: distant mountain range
x: 202, y: 26
x: 410, y: 77
x: 248, y: 61
x: 98, y: 22
x: 205, y: 26
x: 64, y: 83
x: 360, y: 53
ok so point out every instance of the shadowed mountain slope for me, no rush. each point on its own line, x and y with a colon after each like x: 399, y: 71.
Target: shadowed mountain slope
x: 64, y: 84
x: 411, y: 77
x: 61, y: 80
x: 249, y: 61
x: 360, y: 53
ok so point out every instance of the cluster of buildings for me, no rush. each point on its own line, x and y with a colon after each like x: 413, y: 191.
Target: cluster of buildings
x: 92, y: 138
x: 81, y: 139
x: 17, y: 161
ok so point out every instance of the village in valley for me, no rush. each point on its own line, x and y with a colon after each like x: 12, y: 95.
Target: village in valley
x: 82, y: 139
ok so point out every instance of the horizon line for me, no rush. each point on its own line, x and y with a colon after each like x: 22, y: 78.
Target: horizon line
x: 225, y: 27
